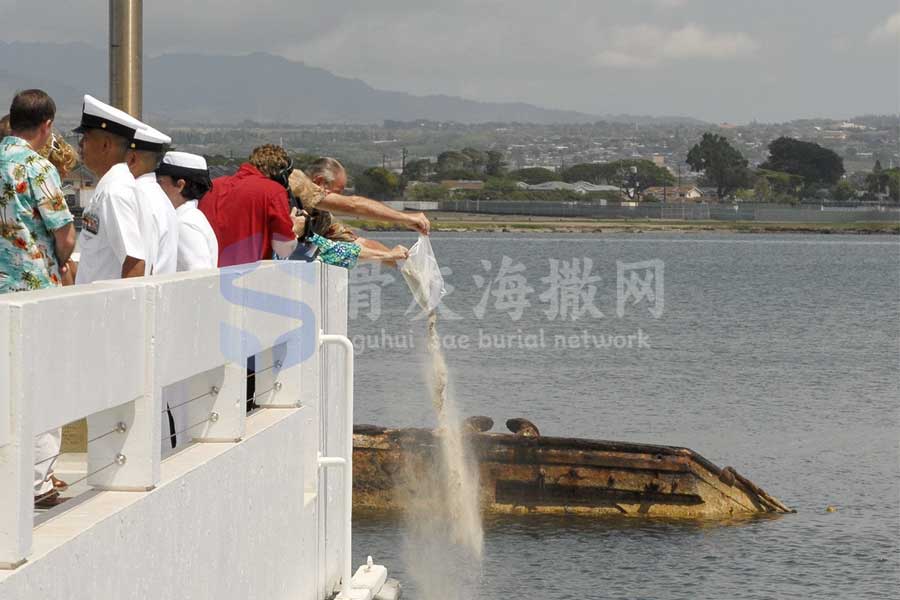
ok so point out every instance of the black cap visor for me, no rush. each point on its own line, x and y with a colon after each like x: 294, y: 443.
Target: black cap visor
x: 148, y: 146
x: 95, y: 122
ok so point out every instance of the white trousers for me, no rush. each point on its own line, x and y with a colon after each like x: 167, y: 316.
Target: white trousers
x: 46, y: 445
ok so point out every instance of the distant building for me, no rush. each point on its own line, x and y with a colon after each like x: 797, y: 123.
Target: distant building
x: 834, y: 135
x: 580, y: 187
x: 422, y: 205
x: 462, y: 184
x: 78, y: 189
x: 79, y: 176
x: 685, y: 193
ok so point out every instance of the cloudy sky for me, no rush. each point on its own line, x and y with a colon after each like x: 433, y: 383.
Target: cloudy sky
x: 721, y: 60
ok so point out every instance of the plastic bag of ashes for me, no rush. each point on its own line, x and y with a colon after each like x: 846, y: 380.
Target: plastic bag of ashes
x: 423, y: 275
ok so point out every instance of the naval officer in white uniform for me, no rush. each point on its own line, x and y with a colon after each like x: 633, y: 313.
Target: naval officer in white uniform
x: 113, y: 237
x: 184, y: 177
x: 147, y: 151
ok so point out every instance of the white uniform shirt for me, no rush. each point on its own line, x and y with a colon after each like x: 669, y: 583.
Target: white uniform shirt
x: 197, y: 244
x: 165, y: 224
x: 197, y: 249
x: 114, y: 227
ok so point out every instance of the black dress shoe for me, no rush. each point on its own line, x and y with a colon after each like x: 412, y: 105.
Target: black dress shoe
x: 48, y: 499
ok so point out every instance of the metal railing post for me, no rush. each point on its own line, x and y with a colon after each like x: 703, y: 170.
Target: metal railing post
x: 345, y: 462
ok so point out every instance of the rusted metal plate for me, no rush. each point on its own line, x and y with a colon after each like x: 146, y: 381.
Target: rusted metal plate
x: 540, y: 494
x: 521, y: 474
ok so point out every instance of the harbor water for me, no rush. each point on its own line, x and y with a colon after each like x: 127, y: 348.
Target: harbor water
x: 777, y: 355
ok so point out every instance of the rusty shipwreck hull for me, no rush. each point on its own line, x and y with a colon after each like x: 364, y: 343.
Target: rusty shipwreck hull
x: 552, y: 475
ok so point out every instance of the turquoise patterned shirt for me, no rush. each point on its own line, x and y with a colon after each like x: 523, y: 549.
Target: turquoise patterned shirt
x: 339, y: 254
x: 32, y: 207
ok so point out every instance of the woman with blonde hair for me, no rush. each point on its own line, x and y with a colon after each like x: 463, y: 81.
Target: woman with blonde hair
x: 64, y: 157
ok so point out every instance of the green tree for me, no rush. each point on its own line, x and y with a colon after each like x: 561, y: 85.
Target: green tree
x: 477, y: 160
x: 615, y: 173
x: 379, y: 183
x: 893, y: 183
x: 649, y: 174
x: 762, y: 190
x: 722, y: 164
x: 591, y: 172
x: 494, y: 165
x: 815, y: 164
x: 462, y: 174
x: 418, y: 170
x: 426, y: 191
x: 451, y: 160
x: 534, y: 175
x: 781, y: 183
x: 500, y: 184
x: 745, y: 195
x: 844, y: 191
x: 884, y: 181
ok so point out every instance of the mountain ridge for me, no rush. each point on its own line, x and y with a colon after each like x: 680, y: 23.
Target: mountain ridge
x: 196, y: 88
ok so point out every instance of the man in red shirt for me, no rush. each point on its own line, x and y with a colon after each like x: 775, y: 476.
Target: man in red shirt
x: 250, y: 213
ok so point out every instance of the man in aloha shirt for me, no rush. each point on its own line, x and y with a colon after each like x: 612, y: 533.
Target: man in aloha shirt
x: 32, y: 207
x: 36, y: 236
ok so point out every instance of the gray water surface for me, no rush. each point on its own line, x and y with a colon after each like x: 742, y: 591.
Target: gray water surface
x: 775, y: 354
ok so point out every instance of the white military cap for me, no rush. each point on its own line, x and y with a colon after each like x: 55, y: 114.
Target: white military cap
x: 100, y: 115
x: 182, y: 165
x: 147, y: 138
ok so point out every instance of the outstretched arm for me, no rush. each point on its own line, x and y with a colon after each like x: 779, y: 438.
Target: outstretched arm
x: 360, y: 206
x: 389, y: 256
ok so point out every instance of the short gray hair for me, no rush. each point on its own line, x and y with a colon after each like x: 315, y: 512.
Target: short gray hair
x: 328, y: 168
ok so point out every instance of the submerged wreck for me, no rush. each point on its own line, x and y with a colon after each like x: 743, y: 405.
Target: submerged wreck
x: 526, y: 473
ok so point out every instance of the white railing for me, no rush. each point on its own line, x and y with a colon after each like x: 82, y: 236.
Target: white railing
x: 115, y: 352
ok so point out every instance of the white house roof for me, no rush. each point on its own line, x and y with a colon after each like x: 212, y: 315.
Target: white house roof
x: 582, y: 187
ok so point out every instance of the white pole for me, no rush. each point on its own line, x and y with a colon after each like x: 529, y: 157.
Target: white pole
x: 345, y: 462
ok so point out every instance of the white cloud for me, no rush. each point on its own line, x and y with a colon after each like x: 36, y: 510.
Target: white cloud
x: 620, y: 60
x: 646, y: 46
x: 670, y: 3
x: 889, y: 31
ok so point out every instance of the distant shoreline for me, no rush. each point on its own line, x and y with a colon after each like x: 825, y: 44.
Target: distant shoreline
x: 465, y: 222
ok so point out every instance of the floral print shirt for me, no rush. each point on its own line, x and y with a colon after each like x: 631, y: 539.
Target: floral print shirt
x: 339, y: 254
x: 32, y: 207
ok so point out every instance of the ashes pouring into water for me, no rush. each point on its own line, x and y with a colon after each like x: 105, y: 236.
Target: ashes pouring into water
x: 445, y: 537
x: 461, y: 482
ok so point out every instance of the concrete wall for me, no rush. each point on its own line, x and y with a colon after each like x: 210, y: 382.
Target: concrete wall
x: 241, y: 513
x: 227, y: 521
